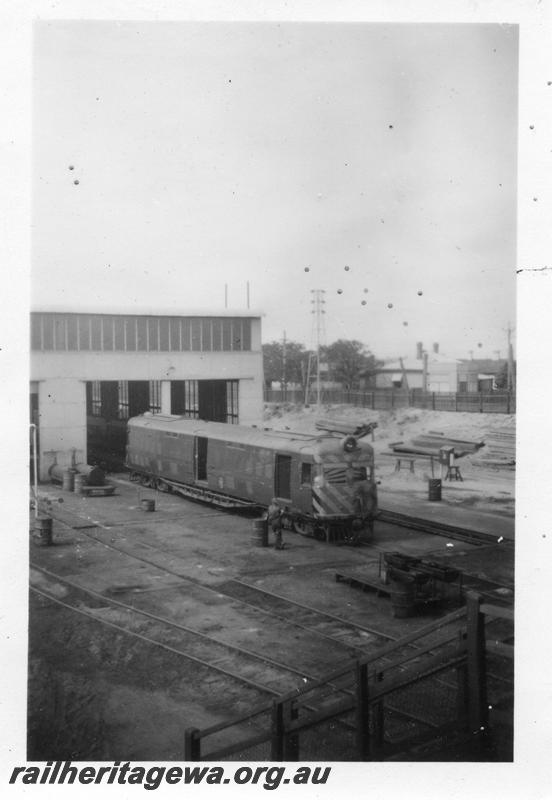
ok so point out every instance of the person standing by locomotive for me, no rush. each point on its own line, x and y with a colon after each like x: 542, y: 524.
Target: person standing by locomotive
x: 274, y: 518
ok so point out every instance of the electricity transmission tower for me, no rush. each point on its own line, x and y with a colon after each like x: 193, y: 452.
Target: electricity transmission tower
x: 318, y: 338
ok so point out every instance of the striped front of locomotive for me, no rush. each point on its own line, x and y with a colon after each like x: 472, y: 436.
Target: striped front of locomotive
x: 333, y: 492
x: 344, y: 496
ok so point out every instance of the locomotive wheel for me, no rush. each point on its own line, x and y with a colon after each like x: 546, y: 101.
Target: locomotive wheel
x: 322, y: 533
x: 304, y: 528
x: 351, y: 537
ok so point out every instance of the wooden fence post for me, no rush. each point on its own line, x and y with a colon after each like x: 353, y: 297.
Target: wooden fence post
x: 284, y: 746
x: 277, y: 738
x: 378, y: 722
x: 291, y: 740
x: 192, y: 745
x: 462, y: 684
x: 477, y: 678
x: 433, y: 400
x: 363, y: 713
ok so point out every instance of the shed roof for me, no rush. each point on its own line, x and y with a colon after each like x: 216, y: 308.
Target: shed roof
x: 140, y: 311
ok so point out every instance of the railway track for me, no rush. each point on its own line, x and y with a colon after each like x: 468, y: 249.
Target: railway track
x: 258, y: 671
x: 268, y: 676
x: 351, y: 634
x: 442, y: 529
x: 355, y: 638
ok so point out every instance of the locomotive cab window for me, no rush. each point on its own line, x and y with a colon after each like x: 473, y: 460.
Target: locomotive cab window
x: 306, y: 473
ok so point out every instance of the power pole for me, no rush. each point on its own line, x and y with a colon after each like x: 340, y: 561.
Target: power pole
x: 510, y: 373
x: 318, y: 324
x: 284, y: 381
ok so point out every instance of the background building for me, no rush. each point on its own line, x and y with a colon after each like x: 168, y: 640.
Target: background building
x: 90, y: 372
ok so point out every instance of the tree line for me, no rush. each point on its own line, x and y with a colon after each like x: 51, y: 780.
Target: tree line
x: 345, y: 362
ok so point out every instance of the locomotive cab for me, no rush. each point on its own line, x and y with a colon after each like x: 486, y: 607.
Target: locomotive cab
x: 343, y: 497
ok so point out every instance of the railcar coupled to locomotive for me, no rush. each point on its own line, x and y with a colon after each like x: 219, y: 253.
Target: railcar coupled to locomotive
x: 323, y: 483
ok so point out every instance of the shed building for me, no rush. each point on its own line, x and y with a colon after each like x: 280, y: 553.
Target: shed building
x: 91, y: 371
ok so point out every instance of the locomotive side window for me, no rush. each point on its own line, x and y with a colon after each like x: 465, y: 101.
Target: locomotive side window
x: 306, y: 473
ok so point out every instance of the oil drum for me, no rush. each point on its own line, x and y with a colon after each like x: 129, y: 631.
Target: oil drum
x: 434, y: 489
x: 402, y: 598
x: 260, y: 533
x: 43, y: 529
x: 78, y: 483
x: 147, y: 505
x: 67, y: 481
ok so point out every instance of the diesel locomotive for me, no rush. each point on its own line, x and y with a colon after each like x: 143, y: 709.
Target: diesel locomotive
x: 322, y: 482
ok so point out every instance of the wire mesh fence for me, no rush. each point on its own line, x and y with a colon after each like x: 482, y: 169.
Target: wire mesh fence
x: 426, y: 691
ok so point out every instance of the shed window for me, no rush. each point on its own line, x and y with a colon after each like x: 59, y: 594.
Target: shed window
x: 196, y: 334
x: 206, y: 335
x: 119, y: 331
x: 96, y: 333
x: 174, y: 327
x: 96, y: 399
x: 59, y: 332
x: 123, y: 407
x: 226, y: 334
x: 164, y: 334
x: 153, y: 334
x: 155, y: 397
x: 108, y: 333
x: 48, y: 333
x: 72, y: 333
x: 217, y: 334
x: 186, y: 334
x: 142, y: 334
x: 237, y: 340
x: 84, y: 333
x: 130, y: 325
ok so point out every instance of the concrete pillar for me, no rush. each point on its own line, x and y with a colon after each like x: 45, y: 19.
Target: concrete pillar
x: 61, y: 422
x: 165, y: 397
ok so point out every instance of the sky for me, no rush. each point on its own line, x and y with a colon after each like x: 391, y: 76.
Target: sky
x: 376, y: 162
